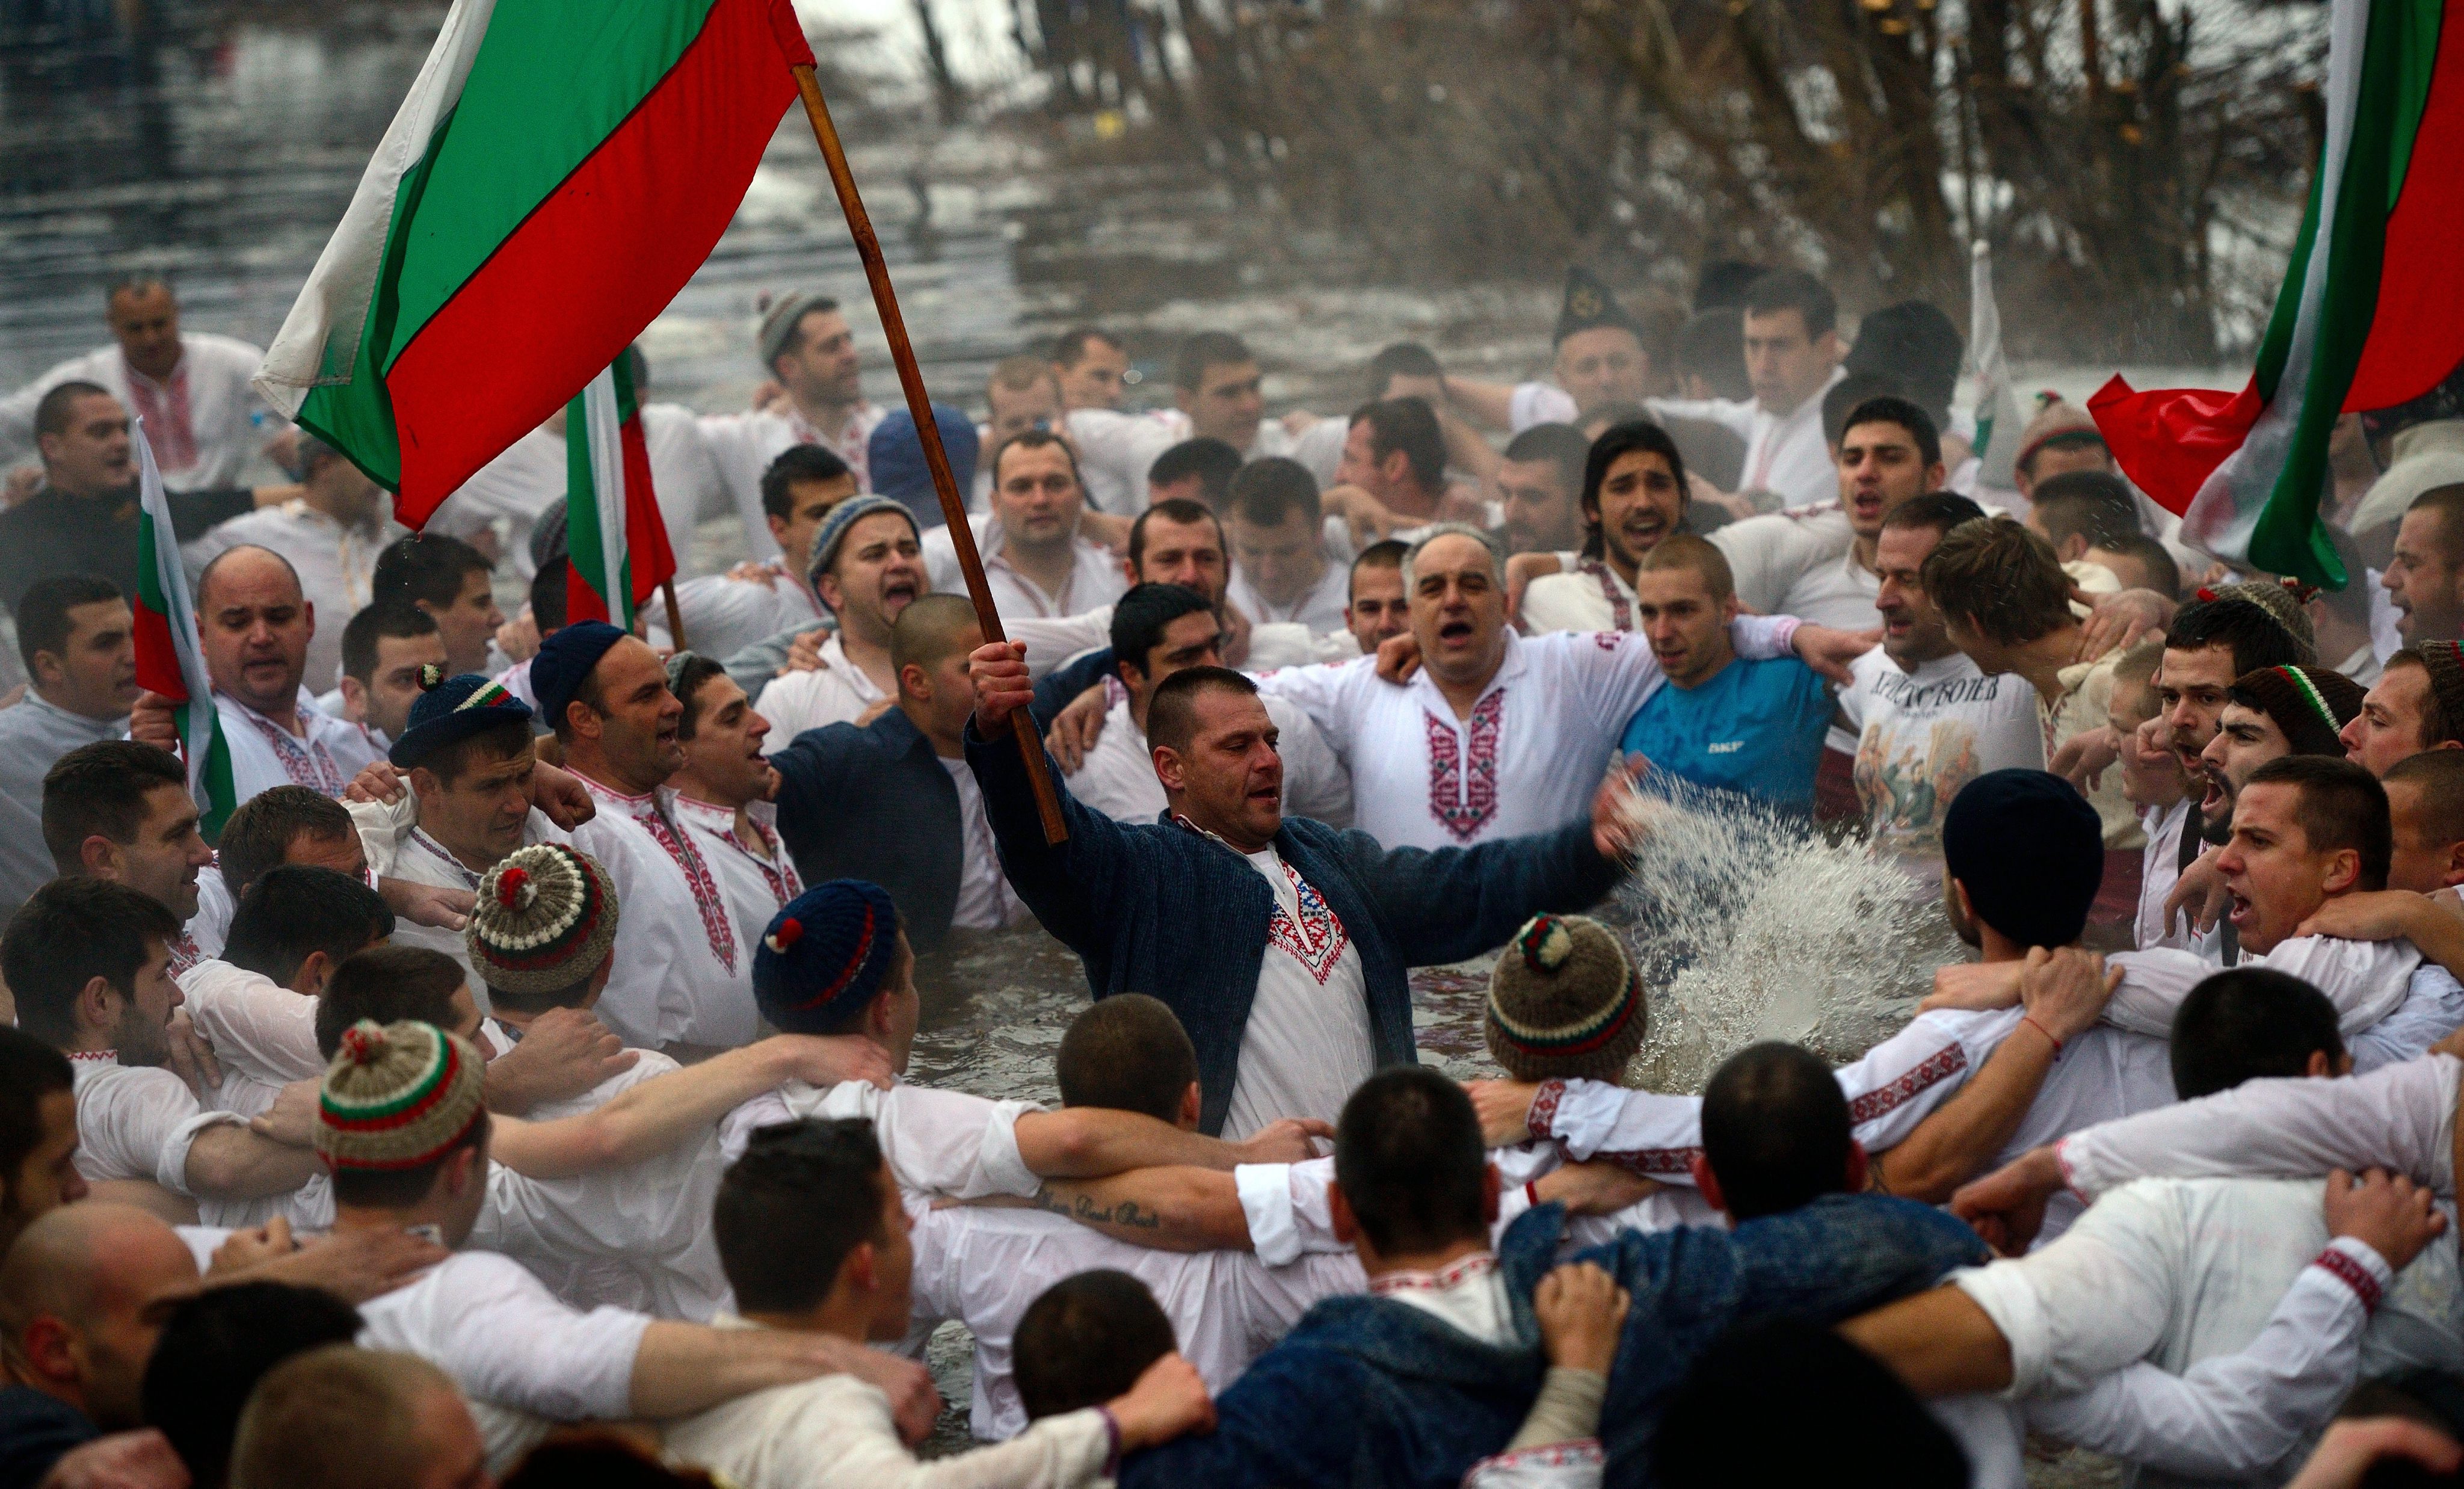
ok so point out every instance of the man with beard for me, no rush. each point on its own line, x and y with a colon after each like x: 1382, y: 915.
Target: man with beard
x: 1539, y: 486
x: 2425, y: 576
x: 867, y: 565
x: 254, y: 624
x: 76, y: 637
x: 1918, y: 718
x: 2268, y: 714
x: 723, y: 793
x: 1633, y: 494
x: 390, y: 650
x: 2417, y: 704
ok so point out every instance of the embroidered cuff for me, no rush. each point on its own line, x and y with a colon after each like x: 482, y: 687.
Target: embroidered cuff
x: 1544, y: 1109
x: 2358, y: 1266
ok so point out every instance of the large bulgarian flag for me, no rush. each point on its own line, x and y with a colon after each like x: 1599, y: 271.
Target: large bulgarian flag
x: 559, y: 170
x: 170, y: 659
x: 2372, y: 312
x: 613, y: 528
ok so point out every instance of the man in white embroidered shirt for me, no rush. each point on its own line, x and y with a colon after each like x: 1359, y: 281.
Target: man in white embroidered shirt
x: 723, y: 793
x: 687, y: 988
x: 1280, y: 569
x: 867, y: 567
x: 1034, y: 560
x: 254, y: 622
x: 1793, y: 354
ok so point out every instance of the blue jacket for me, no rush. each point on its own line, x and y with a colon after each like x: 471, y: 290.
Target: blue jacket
x: 1419, y: 1402
x: 875, y: 803
x: 1163, y: 911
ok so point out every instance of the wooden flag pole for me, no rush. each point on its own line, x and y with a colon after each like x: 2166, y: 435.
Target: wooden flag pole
x: 953, y: 507
x: 675, y: 617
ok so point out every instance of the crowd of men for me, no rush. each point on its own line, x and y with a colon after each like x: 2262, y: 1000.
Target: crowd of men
x: 496, y: 1071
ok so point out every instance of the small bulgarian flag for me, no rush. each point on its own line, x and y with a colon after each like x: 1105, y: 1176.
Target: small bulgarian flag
x: 170, y: 660
x: 2372, y: 312
x: 619, y: 543
x: 558, y: 172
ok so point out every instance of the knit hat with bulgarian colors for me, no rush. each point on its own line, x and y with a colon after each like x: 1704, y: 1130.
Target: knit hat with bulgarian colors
x: 544, y: 920
x: 824, y: 955
x: 397, y: 1096
x: 1564, y: 1003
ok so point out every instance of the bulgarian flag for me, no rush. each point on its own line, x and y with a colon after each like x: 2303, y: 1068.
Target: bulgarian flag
x: 170, y: 660
x: 559, y: 170
x: 2372, y: 312
x: 618, y: 540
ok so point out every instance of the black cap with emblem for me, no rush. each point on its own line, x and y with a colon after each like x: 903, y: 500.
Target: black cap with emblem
x: 1590, y: 306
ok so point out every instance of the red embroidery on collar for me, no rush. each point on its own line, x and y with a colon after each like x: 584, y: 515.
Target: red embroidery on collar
x: 1437, y: 1281
x: 185, y: 954
x: 307, y: 765
x: 645, y: 810
x: 1620, y: 612
x: 1463, y: 786
x: 1316, y: 941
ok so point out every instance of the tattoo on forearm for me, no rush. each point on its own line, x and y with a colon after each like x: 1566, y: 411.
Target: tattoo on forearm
x: 1083, y: 1210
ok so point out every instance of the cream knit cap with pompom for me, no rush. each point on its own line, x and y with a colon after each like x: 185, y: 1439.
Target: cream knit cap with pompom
x: 1564, y: 1003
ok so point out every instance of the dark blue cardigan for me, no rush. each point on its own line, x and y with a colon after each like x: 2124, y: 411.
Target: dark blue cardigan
x: 1163, y: 911
x: 875, y: 803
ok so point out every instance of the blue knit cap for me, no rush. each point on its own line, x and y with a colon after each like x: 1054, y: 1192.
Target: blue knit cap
x: 564, y: 661
x: 834, y: 530
x: 894, y: 459
x: 824, y: 955
x: 2029, y: 851
x: 451, y: 711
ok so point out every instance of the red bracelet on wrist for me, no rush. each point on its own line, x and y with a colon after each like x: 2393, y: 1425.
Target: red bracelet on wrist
x: 2030, y: 1019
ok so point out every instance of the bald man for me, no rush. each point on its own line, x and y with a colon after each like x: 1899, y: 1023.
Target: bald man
x: 77, y: 1309
x: 255, y: 622
x: 893, y: 802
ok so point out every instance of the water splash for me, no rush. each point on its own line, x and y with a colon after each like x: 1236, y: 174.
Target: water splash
x: 1746, y: 924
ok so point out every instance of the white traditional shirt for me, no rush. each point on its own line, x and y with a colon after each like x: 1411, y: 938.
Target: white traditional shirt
x: 685, y: 977
x: 1094, y: 576
x: 127, y: 1119
x: 724, y: 615
x: 985, y: 900
x: 1592, y: 598
x: 336, y: 565
x: 982, y: 1267
x: 396, y: 848
x: 938, y: 1143
x: 1918, y: 737
x: 636, y: 1237
x: 204, y: 421
x: 757, y: 877
x: 1308, y: 1043
x: 1469, y: 1294
x: 744, y: 445
x: 836, y: 1432
x: 33, y: 736
x: 838, y: 691
x: 1527, y: 760
x: 1785, y: 453
x: 690, y: 486
x: 264, y: 754
x: 1538, y: 402
x: 519, y: 486
x: 2159, y: 870
x: 1320, y: 607
x: 1116, y: 449
x: 1118, y: 777
x: 2390, y: 1003
x: 1803, y: 564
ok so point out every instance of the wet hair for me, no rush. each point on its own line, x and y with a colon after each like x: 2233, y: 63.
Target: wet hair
x: 796, y: 465
x: 2164, y: 575
x: 390, y: 984
x: 1794, y: 289
x: 58, y: 409
x: 2341, y: 805
x: 1195, y: 354
x: 2439, y: 773
x: 1775, y: 1129
x: 69, y: 932
x: 1127, y: 1053
x: 1069, y: 347
x: 2255, y: 638
x: 1140, y: 617
x: 1171, y: 714
x: 396, y: 618
x: 1844, y: 395
x: 293, y: 911
x: 1209, y: 459
x: 1937, y: 511
x: 1696, y: 556
x: 1268, y: 490
x: 1716, y: 1429
x: 789, y: 1212
x: 1172, y: 509
x: 1084, y: 1341
x: 548, y: 595
x: 2090, y: 504
x: 43, y: 622
x: 1410, y: 425
x: 1037, y: 439
x: 213, y: 1350
x: 492, y: 745
x: 260, y: 832
x: 1387, y: 553
x: 99, y: 790
x: 425, y: 566
x: 2000, y: 580
x: 1401, y: 360
x: 1616, y: 442
x: 1561, y: 444
x: 1712, y: 348
x: 399, y: 1189
x: 1409, y: 1158
x: 932, y: 629
x: 30, y: 1071
x: 2246, y: 1024
x: 686, y: 683
x: 1891, y: 408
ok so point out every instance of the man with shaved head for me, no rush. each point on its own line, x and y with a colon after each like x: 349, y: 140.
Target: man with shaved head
x: 78, y: 1319
x: 256, y: 624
